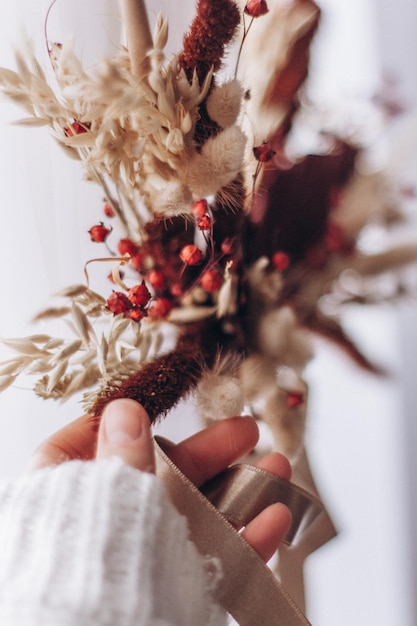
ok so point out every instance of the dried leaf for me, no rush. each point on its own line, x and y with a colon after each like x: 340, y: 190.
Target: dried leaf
x: 32, y: 121
x: 73, y: 291
x: 52, y: 312
x: 81, y: 324
x: 13, y: 366
x: 24, y: 346
x: 69, y: 350
x: 56, y: 376
x: 6, y: 381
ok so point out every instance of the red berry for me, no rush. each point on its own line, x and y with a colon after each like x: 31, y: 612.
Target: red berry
x: 211, y: 281
x: 108, y: 211
x: 294, y: 399
x: 263, y: 153
x: 159, y: 308
x: 256, y: 8
x: 126, y: 246
x: 111, y: 277
x: 118, y: 303
x: 99, y: 233
x: 191, y: 255
x: 139, y: 295
x: 200, y: 208
x: 76, y: 128
x: 135, y: 313
x: 204, y: 223
x: 227, y: 246
x: 176, y: 290
x: 136, y: 262
x: 156, y: 279
x: 280, y: 261
x: 335, y: 241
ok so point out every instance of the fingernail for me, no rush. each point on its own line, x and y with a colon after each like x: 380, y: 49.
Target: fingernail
x: 122, y: 421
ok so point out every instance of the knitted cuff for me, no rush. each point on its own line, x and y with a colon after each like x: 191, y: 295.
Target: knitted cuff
x: 98, y: 543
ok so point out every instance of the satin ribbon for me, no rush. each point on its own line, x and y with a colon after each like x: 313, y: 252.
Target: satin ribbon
x: 242, y: 491
x: 249, y: 591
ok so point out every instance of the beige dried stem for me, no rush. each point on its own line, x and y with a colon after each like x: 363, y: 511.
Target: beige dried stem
x: 138, y: 35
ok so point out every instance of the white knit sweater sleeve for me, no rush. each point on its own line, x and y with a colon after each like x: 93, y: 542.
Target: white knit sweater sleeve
x: 99, y: 544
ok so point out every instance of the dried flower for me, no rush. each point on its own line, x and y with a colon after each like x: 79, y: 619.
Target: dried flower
x: 156, y: 279
x: 204, y: 223
x: 99, y: 233
x: 139, y: 295
x: 118, y: 303
x: 136, y: 261
x: 107, y: 209
x: 159, y: 308
x: 263, y: 153
x: 200, y: 208
x: 135, y: 313
x: 126, y: 246
x: 211, y: 281
x: 191, y: 254
x: 212, y: 29
x: 256, y: 8
x: 76, y: 128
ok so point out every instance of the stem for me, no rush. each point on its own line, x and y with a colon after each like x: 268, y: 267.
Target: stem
x: 245, y: 34
x: 138, y: 35
x: 45, y: 26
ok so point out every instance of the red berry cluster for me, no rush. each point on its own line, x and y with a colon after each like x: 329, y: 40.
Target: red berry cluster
x: 133, y: 305
x: 202, y: 215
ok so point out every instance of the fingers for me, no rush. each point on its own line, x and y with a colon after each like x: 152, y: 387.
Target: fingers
x: 125, y: 432
x: 268, y: 529
x: 209, y: 451
x: 75, y: 441
x: 277, y: 464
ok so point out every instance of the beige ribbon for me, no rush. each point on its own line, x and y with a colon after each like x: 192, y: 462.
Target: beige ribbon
x: 249, y: 590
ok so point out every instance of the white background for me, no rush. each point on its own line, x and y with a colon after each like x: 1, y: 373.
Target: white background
x: 361, y: 430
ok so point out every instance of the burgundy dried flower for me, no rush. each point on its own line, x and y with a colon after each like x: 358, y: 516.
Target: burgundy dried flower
x: 99, y: 233
x: 256, y: 8
x: 212, y: 29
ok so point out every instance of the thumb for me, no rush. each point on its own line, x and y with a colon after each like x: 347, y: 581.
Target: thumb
x: 125, y: 432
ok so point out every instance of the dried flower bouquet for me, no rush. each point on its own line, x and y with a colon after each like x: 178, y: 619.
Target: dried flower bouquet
x: 220, y: 232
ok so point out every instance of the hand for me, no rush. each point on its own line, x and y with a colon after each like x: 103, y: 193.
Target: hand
x: 125, y: 432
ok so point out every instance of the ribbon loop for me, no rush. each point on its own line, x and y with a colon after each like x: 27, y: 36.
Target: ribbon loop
x: 242, y: 491
x: 249, y: 591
